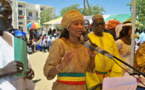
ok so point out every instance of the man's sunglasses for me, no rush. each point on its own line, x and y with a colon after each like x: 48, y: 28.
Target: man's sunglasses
x: 102, y: 24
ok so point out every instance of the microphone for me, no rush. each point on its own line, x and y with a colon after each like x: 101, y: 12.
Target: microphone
x: 98, y: 49
x: 86, y: 38
x: 84, y: 33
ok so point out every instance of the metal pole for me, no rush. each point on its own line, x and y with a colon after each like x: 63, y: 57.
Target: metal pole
x: 133, y: 32
x: 89, y: 8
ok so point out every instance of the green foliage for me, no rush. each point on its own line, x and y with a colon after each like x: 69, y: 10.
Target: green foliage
x: 45, y: 15
x: 94, y: 9
x: 59, y: 26
x: 140, y: 10
x: 72, y: 7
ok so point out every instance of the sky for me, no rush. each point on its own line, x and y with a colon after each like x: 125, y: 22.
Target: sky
x: 111, y: 6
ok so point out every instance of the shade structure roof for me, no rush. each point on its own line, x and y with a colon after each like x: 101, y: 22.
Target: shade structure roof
x: 55, y: 21
x: 58, y: 20
x: 122, y: 18
x: 119, y: 17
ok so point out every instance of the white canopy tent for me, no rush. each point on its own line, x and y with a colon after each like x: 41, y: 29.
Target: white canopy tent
x: 58, y: 20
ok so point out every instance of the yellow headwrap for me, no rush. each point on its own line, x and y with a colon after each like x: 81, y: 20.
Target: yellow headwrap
x: 71, y: 16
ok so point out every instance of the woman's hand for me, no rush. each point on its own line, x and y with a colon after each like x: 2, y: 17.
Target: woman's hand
x: 67, y: 59
x: 92, y: 59
x: 30, y: 74
x: 92, y: 53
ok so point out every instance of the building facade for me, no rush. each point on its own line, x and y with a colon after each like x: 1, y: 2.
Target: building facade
x: 24, y: 13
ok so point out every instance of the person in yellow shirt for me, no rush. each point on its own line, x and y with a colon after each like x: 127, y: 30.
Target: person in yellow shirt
x: 104, y: 66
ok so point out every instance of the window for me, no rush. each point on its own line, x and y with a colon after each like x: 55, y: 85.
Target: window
x: 20, y: 17
x: 30, y: 14
x: 37, y: 14
x: 20, y: 27
x: 20, y: 5
x: 20, y: 12
x: 20, y: 23
x: 41, y: 8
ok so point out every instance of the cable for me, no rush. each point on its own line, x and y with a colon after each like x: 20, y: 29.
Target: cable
x: 129, y: 72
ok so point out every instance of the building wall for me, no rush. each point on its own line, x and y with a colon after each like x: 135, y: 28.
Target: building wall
x: 20, y: 7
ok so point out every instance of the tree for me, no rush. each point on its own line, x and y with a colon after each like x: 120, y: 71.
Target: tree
x: 46, y: 15
x: 140, y: 10
x: 94, y: 9
x: 75, y: 6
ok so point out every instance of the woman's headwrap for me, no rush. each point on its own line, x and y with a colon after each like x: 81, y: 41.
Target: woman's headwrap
x: 110, y: 24
x: 71, y: 16
x: 118, y: 28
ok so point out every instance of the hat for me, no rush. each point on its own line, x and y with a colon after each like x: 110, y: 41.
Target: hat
x: 119, y: 27
x: 96, y: 17
x: 71, y: 16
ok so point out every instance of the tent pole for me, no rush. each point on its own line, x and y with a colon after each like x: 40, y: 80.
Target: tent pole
x: 133, y: 32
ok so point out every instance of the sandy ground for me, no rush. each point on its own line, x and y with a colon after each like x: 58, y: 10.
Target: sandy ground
x: 37, y: 61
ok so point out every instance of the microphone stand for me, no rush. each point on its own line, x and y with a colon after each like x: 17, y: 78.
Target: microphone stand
x: 93, y: 47
x: 128, y: 65
x: 103, y: 52
x: 111, y: 57
x: 96, y: 86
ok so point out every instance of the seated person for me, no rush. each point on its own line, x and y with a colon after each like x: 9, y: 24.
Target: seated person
x: 45, y: 46
x: 30, y: 46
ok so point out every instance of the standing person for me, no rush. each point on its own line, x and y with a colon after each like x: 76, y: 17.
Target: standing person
x: 68, y: 59
x: 139, y: 61
x: 8, y: 66
x: 110, y: 27
x: 31, y: 34
x: 87, y: 25
x: 142, y: 36
x: 123, y: 42
x: 104, y: 66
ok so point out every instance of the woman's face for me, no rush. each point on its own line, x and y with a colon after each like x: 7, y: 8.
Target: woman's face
x: 112, y: 32
x: 76, y: 28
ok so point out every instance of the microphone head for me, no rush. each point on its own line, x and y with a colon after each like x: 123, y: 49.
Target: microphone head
x: 84, y: 33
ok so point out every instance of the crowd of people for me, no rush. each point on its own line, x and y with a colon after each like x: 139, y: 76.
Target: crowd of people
x: 42, y: 42
x: 76, y: 66
x: 39, y: 42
